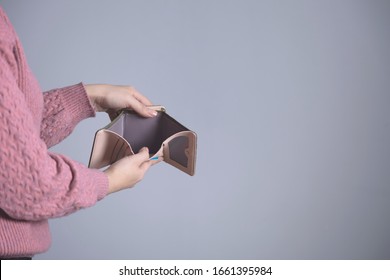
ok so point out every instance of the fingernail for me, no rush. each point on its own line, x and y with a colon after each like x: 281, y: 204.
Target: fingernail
x: 152, y: 112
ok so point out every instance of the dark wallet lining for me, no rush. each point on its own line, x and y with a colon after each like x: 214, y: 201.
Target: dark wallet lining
x: 146, y: 132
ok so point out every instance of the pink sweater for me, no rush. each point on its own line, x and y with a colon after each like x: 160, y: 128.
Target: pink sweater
x: 36, y: 184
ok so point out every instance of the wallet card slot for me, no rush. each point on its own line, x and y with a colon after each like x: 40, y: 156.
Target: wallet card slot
x: 178, y: 150
x: 119, y: 150
x: 108, y: 147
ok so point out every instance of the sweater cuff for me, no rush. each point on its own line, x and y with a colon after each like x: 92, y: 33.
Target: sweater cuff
x: 76, y: 102
x: 100, y: 180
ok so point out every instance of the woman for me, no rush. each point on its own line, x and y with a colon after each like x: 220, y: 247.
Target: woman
x: 36, y: 184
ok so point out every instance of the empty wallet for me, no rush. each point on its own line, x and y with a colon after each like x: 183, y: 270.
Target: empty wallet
x: 129, y: 132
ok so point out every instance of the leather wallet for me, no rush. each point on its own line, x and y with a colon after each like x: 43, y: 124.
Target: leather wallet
x: 129, y: 132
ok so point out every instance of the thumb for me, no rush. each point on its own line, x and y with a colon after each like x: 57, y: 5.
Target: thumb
x: 144, y: 162
x: 142, y: 155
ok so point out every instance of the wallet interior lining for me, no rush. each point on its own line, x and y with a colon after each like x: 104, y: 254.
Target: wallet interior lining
x: 146, y: 132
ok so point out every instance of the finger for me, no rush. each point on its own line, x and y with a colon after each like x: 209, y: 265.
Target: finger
x: 141, y: 98
x: 141, y: 108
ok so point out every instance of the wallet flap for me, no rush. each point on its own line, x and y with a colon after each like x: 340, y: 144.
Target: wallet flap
x: 108, y: 147
x: 180, y: 151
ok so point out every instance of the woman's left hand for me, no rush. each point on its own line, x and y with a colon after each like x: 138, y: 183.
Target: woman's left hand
x: 111, y: 98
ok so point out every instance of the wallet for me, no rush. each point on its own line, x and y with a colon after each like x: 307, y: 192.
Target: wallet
x: 129, y: 132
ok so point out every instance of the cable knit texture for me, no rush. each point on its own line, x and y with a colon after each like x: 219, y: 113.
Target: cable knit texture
x: 36, y: 184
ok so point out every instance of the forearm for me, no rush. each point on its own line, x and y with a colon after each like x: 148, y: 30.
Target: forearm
x: 64, y: 108
x: 49, y: 186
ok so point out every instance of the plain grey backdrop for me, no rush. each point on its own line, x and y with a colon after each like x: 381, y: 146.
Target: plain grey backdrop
x: 290, y: 101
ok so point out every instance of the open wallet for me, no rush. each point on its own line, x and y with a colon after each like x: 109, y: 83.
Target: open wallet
x: 129, y: 132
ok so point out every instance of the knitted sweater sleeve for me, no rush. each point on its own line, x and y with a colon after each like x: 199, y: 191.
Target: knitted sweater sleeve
x: 36, y: 184
x: 63, y: 109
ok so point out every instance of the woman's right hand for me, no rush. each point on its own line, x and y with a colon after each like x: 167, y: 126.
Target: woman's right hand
x: 128, y: 171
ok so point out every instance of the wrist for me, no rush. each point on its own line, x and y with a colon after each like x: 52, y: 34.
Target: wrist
x: 95, y: 93
x: 112, y: 186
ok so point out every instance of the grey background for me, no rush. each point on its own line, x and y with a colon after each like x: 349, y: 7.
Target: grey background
x: 290, y: 100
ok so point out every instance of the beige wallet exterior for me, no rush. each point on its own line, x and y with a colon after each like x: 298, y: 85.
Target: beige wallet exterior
x: 129, y: 132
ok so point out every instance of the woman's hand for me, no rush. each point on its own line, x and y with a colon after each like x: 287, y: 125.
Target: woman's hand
x: 128, y: 171
x: 111, y: 98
